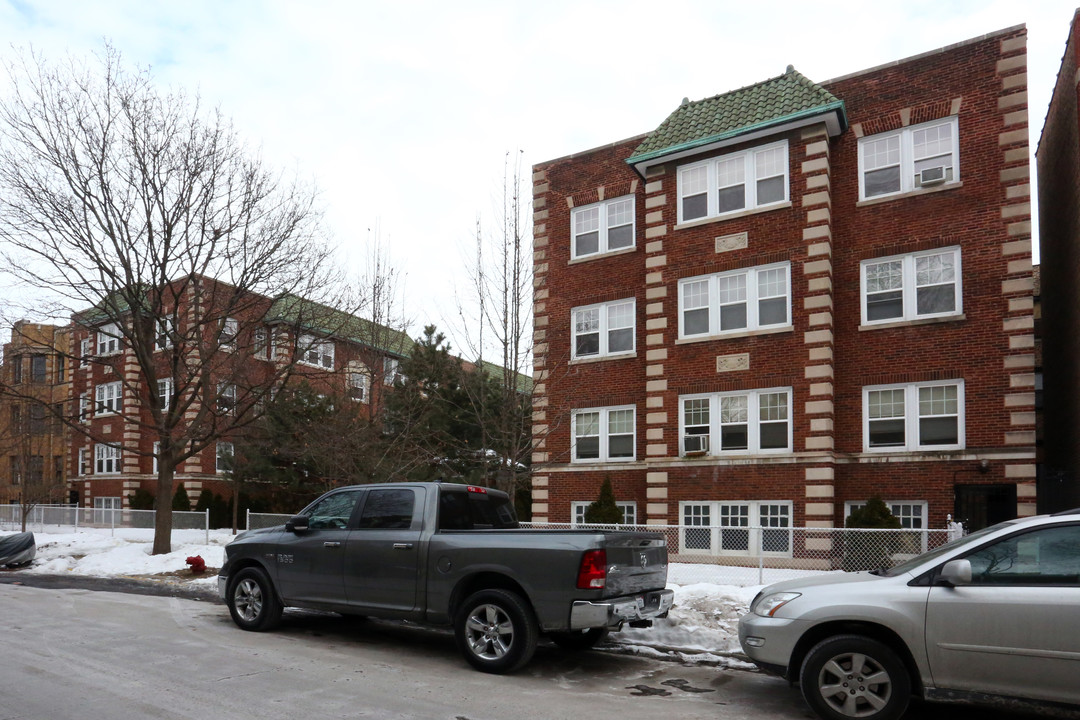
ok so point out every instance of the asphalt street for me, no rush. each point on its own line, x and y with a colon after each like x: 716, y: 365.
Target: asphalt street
x: 92, y: 652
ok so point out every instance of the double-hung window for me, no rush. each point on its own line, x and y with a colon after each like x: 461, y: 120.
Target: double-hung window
x: 916, y: 416
x: 314, y: 351
x: 735, y: 301
x: 358, y: 385
x: 165, y: 333
x: 84, y: 407
x: 164, y: 389
x: 224, y: 461
x: 392, y: 370
x: 106, y: 458
x: 737, y: 527
x: 603, y: 330
x: 603, y: 434
x: 84, y: 352
x: 909, y: 159
x: 226, y: 399
x: 230, y: 328
x: 754, y: 421
x: 603, y: 227
x: 627, y: 507
x: 912, y: 287
x: 108, y: 339
x: 108, y: 398
x: 731, y: 183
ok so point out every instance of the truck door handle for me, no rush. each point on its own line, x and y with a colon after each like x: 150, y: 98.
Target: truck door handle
x: 403, y: 546
x: 331, y: 544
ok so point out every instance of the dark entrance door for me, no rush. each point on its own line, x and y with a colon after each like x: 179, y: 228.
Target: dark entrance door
x: 979, y: 506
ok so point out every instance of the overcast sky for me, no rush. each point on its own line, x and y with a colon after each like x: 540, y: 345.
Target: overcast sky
x: 403, y: 112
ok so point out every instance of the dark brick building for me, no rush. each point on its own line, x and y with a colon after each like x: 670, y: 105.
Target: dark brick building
x: 1058, y: 162
x: 793, y: 296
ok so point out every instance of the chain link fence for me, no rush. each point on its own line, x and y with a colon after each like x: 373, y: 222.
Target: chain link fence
x: 742, y: 556
x: 59, y: 518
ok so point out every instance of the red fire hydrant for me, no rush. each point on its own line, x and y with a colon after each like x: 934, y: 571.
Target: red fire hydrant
x: 198, y: 565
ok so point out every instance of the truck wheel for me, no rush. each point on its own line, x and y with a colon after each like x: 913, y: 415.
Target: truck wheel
x: 851, y: 676
x: 252, y: 601
x: 578, y: 639
x: 496, y: 631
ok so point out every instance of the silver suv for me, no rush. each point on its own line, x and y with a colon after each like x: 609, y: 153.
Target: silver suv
x: 995, y: 613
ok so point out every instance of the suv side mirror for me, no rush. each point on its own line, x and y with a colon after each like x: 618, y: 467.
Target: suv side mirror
x: 955, y: 572
x: 297, y: 524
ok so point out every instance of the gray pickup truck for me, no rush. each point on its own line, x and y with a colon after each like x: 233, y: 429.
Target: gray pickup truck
x: 448, y: 554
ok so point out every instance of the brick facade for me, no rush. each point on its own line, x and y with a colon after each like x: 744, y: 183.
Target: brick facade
x: 1058, y: 161
x: 820, y: 362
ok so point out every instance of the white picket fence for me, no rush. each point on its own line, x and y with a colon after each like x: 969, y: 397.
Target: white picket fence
x: 743, y: 556
x: 58, y: 518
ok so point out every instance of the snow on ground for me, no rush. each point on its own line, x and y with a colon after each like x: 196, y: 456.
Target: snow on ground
x: 702, y: 627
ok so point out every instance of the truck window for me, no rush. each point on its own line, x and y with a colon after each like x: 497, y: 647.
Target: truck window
x: 334, y: 511
x: 389, y: 509
x: 474, y: 511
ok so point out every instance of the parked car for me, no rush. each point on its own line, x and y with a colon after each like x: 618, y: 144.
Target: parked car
x: 994, y: 614
x: 450, y: 555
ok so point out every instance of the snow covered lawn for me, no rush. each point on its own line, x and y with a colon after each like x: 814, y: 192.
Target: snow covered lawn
x: 702, y: 627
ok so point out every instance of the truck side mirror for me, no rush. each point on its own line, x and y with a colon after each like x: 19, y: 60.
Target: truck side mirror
x: 297, y: 524
x: 955, y: 572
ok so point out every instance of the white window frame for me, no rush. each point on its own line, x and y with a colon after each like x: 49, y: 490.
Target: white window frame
x: 628, y: 507
x: 604, y: 434
x: 728, y: 519
x: 108, y: 339
x: 359, y: 380
x: 392, y: 370
x: 223, y: 449
x: 316, y: 352
x: 84, y: 407
x: 907, y: 519
x: 909, y: 287
x: 230, y: 328
x: 108, y: 398
x: 260, y: 342
x: 753, y: 297
x: 604, y: 312
x: 912, y: 416
x: 907, y: 161
x: 107, y: 458
x: 164, y: 333
x: 164, y: 391
x: 226, y: 390
x: 84, y: 467
x: 753, y: 421
x: 605, y: 216
x: 84, y: 352
x: 749, y: 158
x: 157, y: 450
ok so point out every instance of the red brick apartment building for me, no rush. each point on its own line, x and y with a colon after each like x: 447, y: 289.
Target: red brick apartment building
x: 793, y: 296
x: 249, y: 352
x: 1058, y: 163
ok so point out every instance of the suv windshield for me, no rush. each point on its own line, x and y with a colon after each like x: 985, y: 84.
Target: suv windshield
x: 909, y: 565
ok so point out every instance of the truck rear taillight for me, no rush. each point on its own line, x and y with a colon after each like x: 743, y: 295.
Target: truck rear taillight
x: 592, y: 575
x: 475, y: 489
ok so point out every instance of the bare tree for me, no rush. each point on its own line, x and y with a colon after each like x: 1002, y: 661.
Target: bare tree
x: 181, y: 255
x: 500, y: 337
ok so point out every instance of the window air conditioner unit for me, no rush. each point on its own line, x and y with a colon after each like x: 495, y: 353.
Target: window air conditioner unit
x: 932, y: 176
x: 696, y: 444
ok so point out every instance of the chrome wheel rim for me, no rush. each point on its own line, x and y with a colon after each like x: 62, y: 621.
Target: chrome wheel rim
x: 855, y: 685
x: 248, y: 600
x: 489, y: 632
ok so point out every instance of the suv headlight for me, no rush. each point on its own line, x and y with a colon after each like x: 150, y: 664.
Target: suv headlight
x: 768, y: 605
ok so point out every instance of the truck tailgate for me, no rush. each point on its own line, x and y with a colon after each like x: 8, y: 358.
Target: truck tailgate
x: 635, y: 562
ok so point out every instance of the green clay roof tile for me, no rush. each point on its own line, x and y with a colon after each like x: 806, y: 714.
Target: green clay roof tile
x: 770, y: 102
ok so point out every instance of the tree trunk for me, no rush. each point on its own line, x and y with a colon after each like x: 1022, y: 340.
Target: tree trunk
x: 163, y: 520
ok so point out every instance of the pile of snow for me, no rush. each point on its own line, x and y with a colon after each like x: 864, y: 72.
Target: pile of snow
x: 702, y: 627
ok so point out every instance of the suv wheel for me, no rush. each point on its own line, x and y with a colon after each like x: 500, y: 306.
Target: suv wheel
x: 496, y: 631
x: 851, y: 676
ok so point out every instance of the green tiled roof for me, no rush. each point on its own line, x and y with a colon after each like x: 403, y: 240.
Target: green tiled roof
x: 325, y: 320
x: 522, y: 383
x: 775, y: 101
